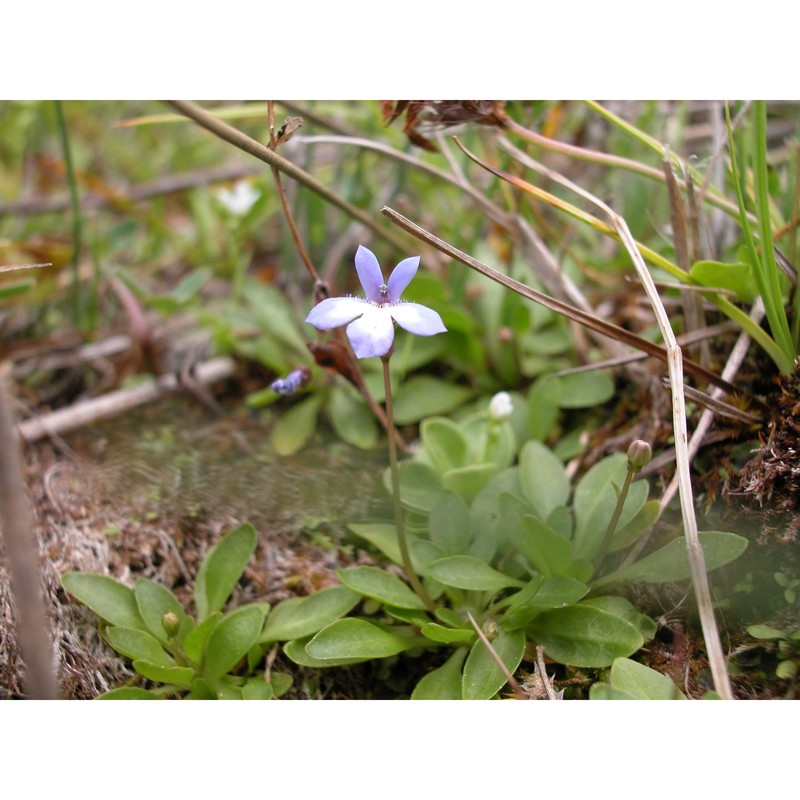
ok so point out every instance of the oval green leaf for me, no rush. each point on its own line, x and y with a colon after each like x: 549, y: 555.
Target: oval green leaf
x: 153, y: 601
x: 543, y: 479
x: 221, y: 569
x: 179, y: 676
x: 138, y: 644
x: 230, y: 640
x: 670, y: 563
x: 483, y: 678
x: 299, y: 617
x: 293, y: 430
x: 357, y: 638
x: 583, y: 636
x: 380, y: 585
x: 109, y: 599
x: 443, y: 683
x: 466, y: 572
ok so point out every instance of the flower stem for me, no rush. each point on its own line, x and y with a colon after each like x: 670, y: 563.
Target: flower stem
x: 612, y: 524
x: 415, y: 582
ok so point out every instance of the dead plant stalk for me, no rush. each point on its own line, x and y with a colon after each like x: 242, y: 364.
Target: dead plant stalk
x: 694, y: 550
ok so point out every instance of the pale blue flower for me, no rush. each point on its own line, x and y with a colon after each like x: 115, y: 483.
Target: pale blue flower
x: 371, y: 321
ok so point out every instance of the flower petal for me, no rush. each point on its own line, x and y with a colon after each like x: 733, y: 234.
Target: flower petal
x: 369, y: 273
x: 418, y: 319
x: 336, y: 311
x: 372, y: 334
x: 401, y: 276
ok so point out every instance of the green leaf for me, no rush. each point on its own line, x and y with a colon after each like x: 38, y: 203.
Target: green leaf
x: 466, y: 572
x: 135, y: 644
x: 641, y: 682
x: 483, y: 678
x: 353, y: 422
x: 605, y: 691
x: 357, y: 638
x: 542, y: 593
x: 670, y: 563
x: 14, y: 288
x: 153, y: 601
x: 443, y: 683
x: 380, y: 585
x: 582, y: 636
x: 296, y: 651
x: 194, y: 644
x: 109, y: 599
x: 585, y: 389
x: 230, y: 640
x: 543, y: 406
x: 439, y: 633
x: 297, y: 425
x: 765, y: 632
x: 384, y: 538
x: 625, y: 536
x: 737, y: 278
x: 201, y: 690
x: 257, y: 689
x: 444, y: 443
x: 542, y: 477
x: 128, y: 693
x: 179, y: 676
x: 221, y: 569
x: 468, y: 481
x: 299, y: 617
x: 548, y: 551
x: 420, y: 486
x: 625, y: 610
x: 449, y: 524
x: 190, y: 285
x: 424, y: 396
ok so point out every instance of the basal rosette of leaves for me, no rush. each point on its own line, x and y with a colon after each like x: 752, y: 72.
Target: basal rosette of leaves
x: 210, y: 656
x: 497, y: 531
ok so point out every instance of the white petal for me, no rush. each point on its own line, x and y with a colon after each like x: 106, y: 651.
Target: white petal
x: 336, y: 311
x: 418, y: 319
x: 372, y: 334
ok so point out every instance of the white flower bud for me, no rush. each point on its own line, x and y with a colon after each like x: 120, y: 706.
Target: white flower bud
x: 501, y: 407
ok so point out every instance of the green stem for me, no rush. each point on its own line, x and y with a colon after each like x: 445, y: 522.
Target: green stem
x: 75, y: 210
x: 612, y: 524
x: 398, y: 511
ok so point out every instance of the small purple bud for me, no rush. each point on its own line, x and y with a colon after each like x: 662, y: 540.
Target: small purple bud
x: 292, y: 382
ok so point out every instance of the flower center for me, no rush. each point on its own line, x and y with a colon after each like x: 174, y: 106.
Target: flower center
x: 384, y: 290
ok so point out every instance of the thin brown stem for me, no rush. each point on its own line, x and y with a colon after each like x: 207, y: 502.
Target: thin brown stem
x: 249, y: 145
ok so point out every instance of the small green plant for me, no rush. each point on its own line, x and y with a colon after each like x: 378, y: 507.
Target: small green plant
x: 499, y: 533
x: 210, y: 656
x: 786, y: 643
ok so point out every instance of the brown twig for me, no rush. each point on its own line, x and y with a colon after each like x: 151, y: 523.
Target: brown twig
x: 576, y: 314
x: 249, y: 145
x: 321, y: 292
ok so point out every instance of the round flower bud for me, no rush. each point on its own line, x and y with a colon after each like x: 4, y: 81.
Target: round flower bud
x: 639, y: 454
x: 490, y: 629
x: 170, y: 623
x: 500, y: 407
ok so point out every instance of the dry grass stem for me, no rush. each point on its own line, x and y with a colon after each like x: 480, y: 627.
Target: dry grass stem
x: 22, y: 557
